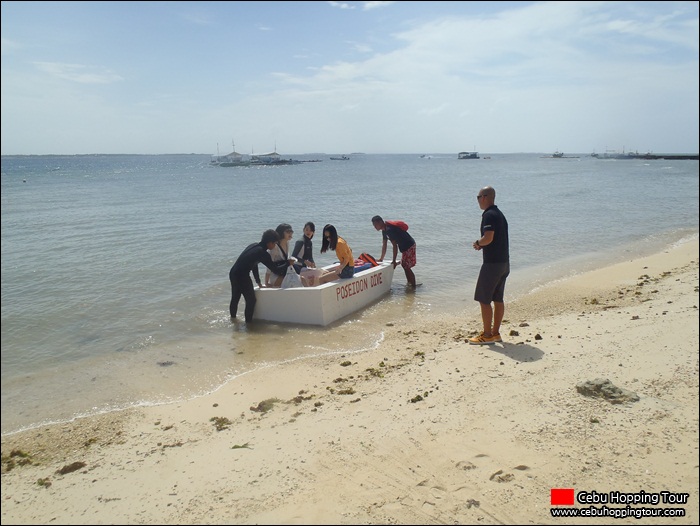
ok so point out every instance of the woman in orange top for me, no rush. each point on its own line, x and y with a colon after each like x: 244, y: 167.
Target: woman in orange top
x: 346, y: 265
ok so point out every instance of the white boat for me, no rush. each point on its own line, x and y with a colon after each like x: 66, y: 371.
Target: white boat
x: 232, y: 159
x: 559, y: 155
x: 326, y: 303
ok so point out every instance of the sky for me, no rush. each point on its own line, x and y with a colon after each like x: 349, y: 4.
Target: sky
x: 344, y: 77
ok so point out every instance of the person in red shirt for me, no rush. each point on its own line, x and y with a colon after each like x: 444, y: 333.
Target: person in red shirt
x: 400, y: 240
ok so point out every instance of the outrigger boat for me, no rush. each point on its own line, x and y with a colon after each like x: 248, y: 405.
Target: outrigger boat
x: 326, y: 303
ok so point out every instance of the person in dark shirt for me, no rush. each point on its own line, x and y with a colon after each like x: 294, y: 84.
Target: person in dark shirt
x: 303, y: 252
x: 239, y: 275
x: 495, y: 268
x: 400, y: 240
x: 303, y: 249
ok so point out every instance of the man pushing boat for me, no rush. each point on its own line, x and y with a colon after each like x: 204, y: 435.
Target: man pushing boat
x: 397, y: 233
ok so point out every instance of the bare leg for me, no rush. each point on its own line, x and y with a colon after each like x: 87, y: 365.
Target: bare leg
x: 275, y: 281
x: 331, y: 275
x: 310, y: 276
x: 498, y: 311
x: 410, y: 277
x: 486, y: 318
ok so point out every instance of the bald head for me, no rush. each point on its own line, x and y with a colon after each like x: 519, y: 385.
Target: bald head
x: 486, y: 197
x: 488, y: 191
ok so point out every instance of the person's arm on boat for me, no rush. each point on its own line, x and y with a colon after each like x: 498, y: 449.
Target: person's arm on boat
x: 302, y: 261
x: 395, y: 247
x: 310, y: 259
x: 278, y: 268
x: 298, y: 246
x: 344, y: 253
x: 381, y: 258
x: 256, y: 275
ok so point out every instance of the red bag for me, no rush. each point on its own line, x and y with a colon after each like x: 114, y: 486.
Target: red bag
x: 368, y: 259
x: 400, y: 224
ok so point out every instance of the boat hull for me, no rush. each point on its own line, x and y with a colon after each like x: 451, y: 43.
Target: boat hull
x: 324, y: 304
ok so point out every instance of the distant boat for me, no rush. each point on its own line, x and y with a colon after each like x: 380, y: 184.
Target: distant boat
x: 268, y: 159
x: 271, y: 159
x: 468, y: 155
x: 225, y: 164
x: 612, y: 154
x: 238, y: 159
x: 343, y: 158
x: 559, y: 155
x: 232, y: 159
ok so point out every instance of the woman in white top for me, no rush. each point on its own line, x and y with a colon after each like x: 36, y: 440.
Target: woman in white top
x: 279, y: 253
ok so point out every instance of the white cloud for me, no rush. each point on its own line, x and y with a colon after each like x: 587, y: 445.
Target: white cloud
x: 8, y: 46
x: 78, y: 73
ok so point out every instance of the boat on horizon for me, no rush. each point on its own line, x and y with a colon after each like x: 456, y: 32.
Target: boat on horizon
x: 468, y: 155
x: 612, y: 154
x: 271, y: 159
x: 342, y: 158
x: 231, y: 159
x: 238, y: 159
x: 559, y: 155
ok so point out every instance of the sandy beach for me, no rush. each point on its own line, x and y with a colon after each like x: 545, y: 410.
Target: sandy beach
x: 424, y: 429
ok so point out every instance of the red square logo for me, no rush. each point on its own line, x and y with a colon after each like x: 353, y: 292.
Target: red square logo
x: 562, y: 497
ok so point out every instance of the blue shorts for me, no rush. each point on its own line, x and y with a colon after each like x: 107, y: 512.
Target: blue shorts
x: 347, y: 272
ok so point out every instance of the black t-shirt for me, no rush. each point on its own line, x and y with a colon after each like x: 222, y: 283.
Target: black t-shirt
x: 497, y: 251
x: 249, y: 259
x: 403, y: 239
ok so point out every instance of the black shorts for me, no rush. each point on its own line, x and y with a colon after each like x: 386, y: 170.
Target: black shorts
x: 492, y: 282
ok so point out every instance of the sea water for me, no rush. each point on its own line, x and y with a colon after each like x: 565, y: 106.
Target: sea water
x: 115, y: 286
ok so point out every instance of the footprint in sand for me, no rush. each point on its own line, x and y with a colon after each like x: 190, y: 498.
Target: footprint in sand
x: 497, y: 476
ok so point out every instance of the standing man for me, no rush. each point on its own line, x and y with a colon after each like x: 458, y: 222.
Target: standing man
x: 491, y: 283
x: 397, y: 233
x: 239, y: 275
